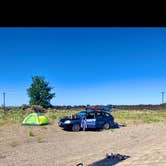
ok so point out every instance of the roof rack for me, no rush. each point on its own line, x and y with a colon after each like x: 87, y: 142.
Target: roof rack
x: 99, y: 108
x: 95, y: 108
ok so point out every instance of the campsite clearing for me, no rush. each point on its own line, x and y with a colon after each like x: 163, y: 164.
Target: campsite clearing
x: 52, y: 146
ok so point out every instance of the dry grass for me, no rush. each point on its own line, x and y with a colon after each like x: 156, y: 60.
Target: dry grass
x: 17, y: 116
x: 139, y: 116
x: 124, y: 117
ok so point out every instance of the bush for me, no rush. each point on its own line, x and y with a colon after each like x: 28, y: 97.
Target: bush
x: 24, y: 107
x: 38, y: 108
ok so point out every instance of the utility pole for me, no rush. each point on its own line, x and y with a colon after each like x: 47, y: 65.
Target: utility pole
x: 4, y: 100
x: 162, y: 93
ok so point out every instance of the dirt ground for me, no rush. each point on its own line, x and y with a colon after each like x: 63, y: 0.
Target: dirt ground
x: 145, y: 144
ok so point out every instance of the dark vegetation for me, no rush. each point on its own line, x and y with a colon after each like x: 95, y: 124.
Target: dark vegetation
x: 78, y: 107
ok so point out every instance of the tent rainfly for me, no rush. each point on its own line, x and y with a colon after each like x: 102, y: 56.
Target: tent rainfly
x: 35, y: 119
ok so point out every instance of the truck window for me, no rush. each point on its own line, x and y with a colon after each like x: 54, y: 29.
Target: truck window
x: 90, y: 115
x: 99, y: 114
x: 106, y: 114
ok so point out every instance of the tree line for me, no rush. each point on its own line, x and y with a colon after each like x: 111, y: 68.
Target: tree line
x: 40, y: 94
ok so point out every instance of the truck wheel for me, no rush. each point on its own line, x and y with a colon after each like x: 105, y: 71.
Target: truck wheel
x: 76, y: 127
x: 106, y: 126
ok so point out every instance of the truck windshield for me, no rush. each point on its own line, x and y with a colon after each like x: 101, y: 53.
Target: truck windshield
x: 81, y: 114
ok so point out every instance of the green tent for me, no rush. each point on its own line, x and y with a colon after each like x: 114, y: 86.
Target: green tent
x: 35, y: 119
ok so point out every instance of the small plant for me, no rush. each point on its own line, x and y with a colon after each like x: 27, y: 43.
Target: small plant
x: 40, y: 140
x: 31, y: 134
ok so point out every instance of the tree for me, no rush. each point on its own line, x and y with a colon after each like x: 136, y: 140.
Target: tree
x: 40, y: 92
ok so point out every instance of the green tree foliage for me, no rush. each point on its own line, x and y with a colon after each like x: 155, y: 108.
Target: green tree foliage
x: 40, y: 92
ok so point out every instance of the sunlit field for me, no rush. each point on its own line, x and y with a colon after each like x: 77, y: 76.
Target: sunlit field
x: 125, y: 117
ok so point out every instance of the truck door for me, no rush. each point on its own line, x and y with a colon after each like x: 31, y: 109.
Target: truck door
x: 100, y: 120
x: 91, y: 120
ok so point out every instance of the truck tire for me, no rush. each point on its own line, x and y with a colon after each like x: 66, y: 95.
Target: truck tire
x: 76, y: 127
x: 106, y: 126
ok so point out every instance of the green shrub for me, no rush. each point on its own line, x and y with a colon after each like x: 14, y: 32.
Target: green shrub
x: 31, y: 134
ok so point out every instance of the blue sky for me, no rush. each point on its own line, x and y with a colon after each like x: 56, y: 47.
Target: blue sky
x: 85, y: 65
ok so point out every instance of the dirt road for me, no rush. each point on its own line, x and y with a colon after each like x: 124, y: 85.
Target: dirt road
x: 145, y: 144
